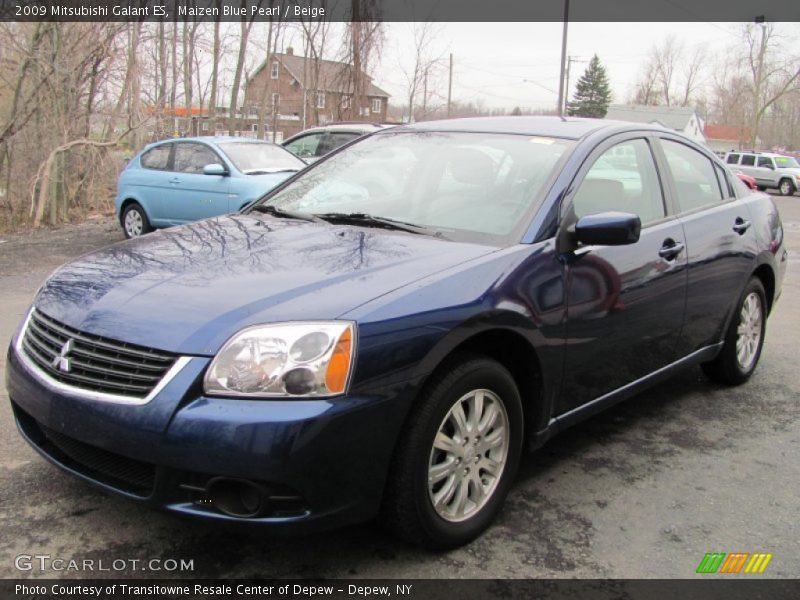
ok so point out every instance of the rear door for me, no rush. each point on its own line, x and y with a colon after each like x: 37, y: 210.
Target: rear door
x: 150, y: 184
x: 765, y: 171
x: 720, y: 241
x: 625, y: 303
x: 192, y: 194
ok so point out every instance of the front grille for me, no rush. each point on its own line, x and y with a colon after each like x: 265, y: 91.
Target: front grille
x: 91, y: 362
x: 126, y: 474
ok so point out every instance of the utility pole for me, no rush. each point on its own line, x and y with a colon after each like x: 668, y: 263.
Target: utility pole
x: 570, y: 60
x: 760, y: 20
x: 563, y: 60
x: 450, y: 86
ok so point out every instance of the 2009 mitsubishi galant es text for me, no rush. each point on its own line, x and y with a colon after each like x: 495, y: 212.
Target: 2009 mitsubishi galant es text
x: 385, y: 331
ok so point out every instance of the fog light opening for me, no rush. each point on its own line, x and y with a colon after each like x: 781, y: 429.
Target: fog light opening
x: 237, y: 497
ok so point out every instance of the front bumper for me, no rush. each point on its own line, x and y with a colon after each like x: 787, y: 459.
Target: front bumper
x: 321, y: 462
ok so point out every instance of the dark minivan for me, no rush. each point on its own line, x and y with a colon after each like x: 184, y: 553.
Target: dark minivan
x: 385, y: 331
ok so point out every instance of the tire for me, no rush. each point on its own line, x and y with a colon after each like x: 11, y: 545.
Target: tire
x: 134, y: 221
x: 786, y: 187
x: 741, y: 350
x: 421, y: 472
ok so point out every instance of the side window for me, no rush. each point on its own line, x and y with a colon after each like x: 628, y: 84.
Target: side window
x: 157, y: 158
x: 623, y: 178
x: 765, y: 161
x: 191, y: 158
x: 333, y: 140
x: 748, y: 160
x: 724, y: 182
x: 305, y: 146
x: 694, y: 176
x: 733, y: 159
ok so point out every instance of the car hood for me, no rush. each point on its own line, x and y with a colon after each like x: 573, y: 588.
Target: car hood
x: 188, y: 289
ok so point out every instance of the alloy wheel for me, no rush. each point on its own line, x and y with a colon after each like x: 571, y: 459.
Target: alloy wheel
x: 469, y: 455
x: 748, y: 332
x: 134, y: 224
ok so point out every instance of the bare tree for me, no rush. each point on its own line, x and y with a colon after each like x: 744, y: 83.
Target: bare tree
x: 774, y: 71
x: 244, y: 34
x: 266, y: 106
x: 692, y: 73
x: 212, y: 100
x: 363, y: 41
x: 668, y: 77
x: 646, y: 91
x: 423, y: 67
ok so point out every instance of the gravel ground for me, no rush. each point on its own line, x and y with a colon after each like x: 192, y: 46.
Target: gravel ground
x: 643, y: 490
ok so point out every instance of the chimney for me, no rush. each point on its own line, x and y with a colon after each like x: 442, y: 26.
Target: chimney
x: 290, y: 51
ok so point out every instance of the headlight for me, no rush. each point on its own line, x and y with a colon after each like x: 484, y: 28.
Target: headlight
x: 284, y: 359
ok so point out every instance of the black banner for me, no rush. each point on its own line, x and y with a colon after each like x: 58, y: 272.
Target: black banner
x: 733, y: 588
x: 403, y: 10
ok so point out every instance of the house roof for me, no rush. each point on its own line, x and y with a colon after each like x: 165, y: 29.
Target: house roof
x: 673, y: 117
x: 715, y: 131
x: 333, y: 75
x: 178, y: 111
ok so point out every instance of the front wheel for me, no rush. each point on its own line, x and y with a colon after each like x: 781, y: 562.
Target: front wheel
x: 786, y: 187
x: 458, y: 456
x: 744, y: 340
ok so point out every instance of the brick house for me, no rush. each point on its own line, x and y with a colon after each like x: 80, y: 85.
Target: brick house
x: 305, y: 93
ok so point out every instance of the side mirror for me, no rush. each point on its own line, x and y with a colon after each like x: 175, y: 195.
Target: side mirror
x: 608, y: 229
x: 770, y: 167
x: 215, y: 169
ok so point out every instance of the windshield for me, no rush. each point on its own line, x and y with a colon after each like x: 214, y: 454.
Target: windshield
x: 786, y: 162
x: 251, y: 157
x: 464, y: 186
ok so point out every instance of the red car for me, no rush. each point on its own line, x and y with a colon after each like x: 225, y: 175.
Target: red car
x: 747, y: 180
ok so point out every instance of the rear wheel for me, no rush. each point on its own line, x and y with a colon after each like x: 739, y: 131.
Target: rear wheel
x: 786, y: 187
x: 134, y: 221
x: 457, y: 459
x: 745, y: 338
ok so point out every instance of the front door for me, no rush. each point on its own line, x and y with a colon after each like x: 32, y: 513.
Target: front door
x: 192, y: 194
x: 625, y: 304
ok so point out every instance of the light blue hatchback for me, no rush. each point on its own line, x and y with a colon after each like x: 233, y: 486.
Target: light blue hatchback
x: 187, y: 179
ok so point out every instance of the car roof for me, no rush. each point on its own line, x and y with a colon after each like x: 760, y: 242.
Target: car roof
x: 759, y: 153
x: 344, y: 127
x: 214, y: 139
x: 561, y: 127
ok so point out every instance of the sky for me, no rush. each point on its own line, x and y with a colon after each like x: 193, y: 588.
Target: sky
x: 517, y: 64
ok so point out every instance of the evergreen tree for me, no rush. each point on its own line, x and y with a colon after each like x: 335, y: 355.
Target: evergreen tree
x: 592, y: 92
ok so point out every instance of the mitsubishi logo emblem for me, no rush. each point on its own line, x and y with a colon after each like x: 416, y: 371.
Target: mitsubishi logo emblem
x: 61, y: 361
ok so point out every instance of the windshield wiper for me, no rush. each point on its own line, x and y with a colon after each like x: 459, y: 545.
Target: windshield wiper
x: 282, y: 213
x: 373, y: 221
x: 269, y: 171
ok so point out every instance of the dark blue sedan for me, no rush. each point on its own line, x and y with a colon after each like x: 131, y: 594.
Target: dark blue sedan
x: 387, y: 330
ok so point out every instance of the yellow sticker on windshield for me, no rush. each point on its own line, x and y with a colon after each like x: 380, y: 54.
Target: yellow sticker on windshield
x: 542, y: 140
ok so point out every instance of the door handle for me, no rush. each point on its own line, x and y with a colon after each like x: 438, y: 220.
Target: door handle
x: 740, y: 225
x: 670, y: 249
x: 174, y: 180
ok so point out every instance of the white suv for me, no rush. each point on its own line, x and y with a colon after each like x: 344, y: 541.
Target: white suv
x: 769, y: 170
